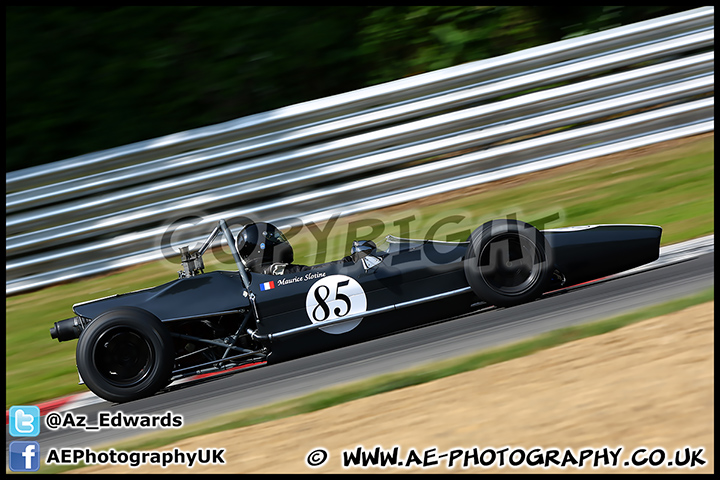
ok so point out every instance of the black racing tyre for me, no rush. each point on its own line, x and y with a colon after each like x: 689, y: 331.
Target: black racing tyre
x: 125, y: 354
x: 508, y: 262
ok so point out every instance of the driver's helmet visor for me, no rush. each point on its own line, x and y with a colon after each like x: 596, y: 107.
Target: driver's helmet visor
x: 275, y: 236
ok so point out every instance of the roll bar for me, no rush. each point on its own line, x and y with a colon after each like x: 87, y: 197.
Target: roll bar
x: 192, y: 262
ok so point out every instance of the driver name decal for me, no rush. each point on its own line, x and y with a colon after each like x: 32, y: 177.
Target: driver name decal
x: 335, y: 297
x: 305, y: 278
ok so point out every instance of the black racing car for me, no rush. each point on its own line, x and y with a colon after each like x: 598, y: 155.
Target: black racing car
x: 269, y: 310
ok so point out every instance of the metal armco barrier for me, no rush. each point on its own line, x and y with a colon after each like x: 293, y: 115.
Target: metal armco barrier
x: 613, y: 90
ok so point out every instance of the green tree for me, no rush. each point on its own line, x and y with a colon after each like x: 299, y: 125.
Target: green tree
x: 82, y: 79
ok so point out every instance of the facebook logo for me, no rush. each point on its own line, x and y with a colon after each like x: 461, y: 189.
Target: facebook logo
x: 24, y: 421
x: 24, y: 456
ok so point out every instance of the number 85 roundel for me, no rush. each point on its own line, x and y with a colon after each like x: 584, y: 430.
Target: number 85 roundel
x: 334, y: 297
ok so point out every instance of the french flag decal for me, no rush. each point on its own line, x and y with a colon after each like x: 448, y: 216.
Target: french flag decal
x: 267, y: 286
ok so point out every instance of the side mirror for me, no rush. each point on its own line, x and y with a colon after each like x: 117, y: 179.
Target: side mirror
x: 370, y: 262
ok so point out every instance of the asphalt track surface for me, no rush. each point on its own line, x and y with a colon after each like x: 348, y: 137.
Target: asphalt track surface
x: 204, y: 399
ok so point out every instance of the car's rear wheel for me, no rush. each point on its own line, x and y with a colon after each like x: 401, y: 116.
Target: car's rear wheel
x: 125, y: 354
x: 508, y: 262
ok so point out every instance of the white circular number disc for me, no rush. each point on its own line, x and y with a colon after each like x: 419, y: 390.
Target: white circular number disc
x: 334, y: 297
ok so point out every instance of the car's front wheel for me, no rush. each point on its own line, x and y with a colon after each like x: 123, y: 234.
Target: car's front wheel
x: 125, y: 354
x: 508, y: 262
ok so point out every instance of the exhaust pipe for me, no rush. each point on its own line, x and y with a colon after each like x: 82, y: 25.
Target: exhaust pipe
x: 68, y: 329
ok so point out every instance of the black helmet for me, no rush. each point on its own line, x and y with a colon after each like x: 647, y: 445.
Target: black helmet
x: 262, y: 244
